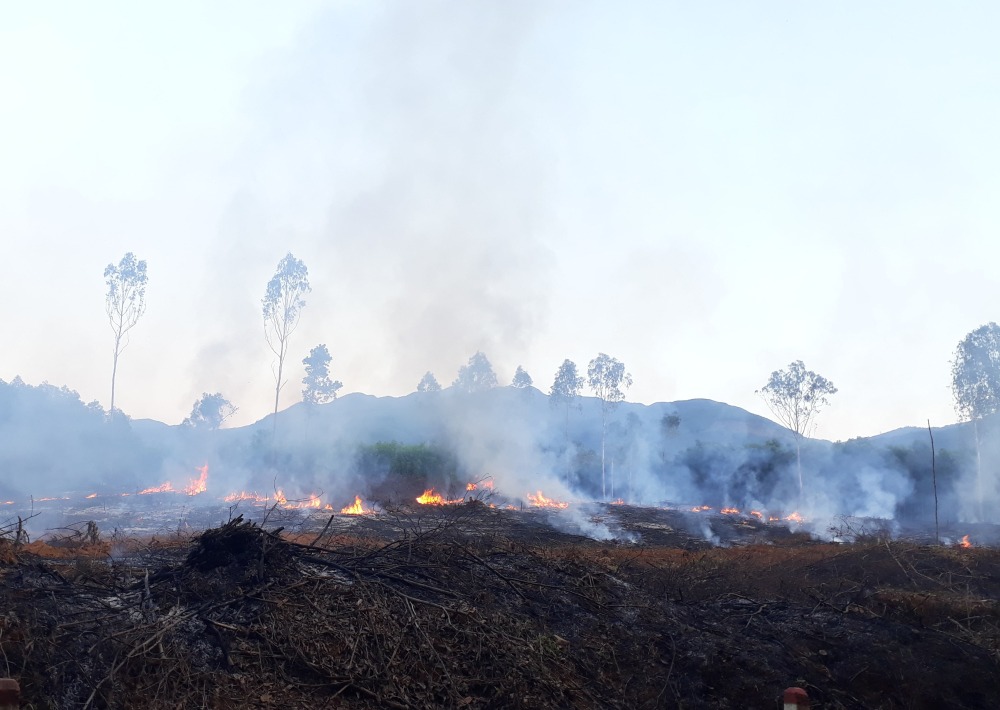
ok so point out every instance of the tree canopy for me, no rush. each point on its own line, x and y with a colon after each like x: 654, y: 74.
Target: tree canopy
x: 318, y: 387
x: 477, y: 376
x: 975, y: 373
x: 210, y: 411
x: 428, y: 383
x: 283, y: 301
x: 125, y: 303
x: 521, y: 379
x: 795, y: 396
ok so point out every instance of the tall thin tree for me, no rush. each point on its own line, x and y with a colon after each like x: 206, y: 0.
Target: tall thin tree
x: 795, y: 396
x: 975, y: 384
x: 283, y: 302
x: 565, y: 392
x: 125, y: 303
x: 608, y: 380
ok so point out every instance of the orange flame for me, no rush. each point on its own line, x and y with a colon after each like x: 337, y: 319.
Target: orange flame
x: 92, y: 495
x: 795, y: 518
x: 965, y: 541
x: 701, y: 508
x: 357, y: 508
x: 251, y: 496
x: 200, y: 484
x: 429, y: 497
x: 730, y: 511
x: 540, y: 501
x: 312, y: 502
x: 757, y: 514
x: 162, y: 488
x: 471, y: 486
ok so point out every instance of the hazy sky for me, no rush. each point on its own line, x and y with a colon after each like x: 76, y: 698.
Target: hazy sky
x: 706, y: 191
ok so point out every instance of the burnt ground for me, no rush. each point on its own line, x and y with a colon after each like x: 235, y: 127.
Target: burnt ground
x: 472, y: 607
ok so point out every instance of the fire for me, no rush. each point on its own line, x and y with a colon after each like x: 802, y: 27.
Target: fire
x: 701, y: 508
x: 471, y: 486
x: 162, y: 488
x: 757, y: 514
x: 357, y: 508
x: 429, y: 497
x: 618, y: 501
x: 730, y: 511
x: 540, y: 501
x: 965, y: 541
x: 92, y: 495
x: 251, y: 496
x: 200, y: 484
x: 312, y: 502
x: 795, y: 518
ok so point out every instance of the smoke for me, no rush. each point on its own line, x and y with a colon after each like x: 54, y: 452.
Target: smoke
x: 684, y: 454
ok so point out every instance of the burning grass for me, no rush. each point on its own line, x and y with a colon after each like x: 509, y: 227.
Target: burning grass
x: 463, y: 606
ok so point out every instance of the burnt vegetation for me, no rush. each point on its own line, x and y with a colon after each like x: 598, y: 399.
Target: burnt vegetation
x: 470, y: 607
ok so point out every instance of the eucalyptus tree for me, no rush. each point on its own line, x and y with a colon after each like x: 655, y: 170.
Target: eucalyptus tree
x: 477, y: 376
x: 975, y: 384
x: 283, y: 302
x: 608, y: 380
x: 210, y: 411
x: 521, y: 379
x: 125, y: 303
x: 318, y: 387
x: 795, y: 396
x: 428, y: 383
x: 565, y: 392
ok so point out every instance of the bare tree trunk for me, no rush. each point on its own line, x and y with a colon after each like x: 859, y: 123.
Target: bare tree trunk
x: 979, y: 472
x: 937, y: 530
x: 114, y: 374
x: 277, y: 394
x: 604, y: 429
x: 612, y: 478
x: 568, y: 462
x: 798, y: 463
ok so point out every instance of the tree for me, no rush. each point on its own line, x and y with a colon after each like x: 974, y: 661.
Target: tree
x: 282, y: 305
x: 521, y: 379
x: 975, y: 384
x: 608, y: 380
x: 565, y: 391
x: 795, y: 396
x: 319, y: 388
x: 477, y: 376
x: 125, y: 303
x: 428, y: 383
x: 210, y: 412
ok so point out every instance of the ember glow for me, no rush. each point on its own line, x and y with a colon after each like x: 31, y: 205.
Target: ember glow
x: 618, y: 501
x: 540, y: 501
x: 92, y: 495
x: 701, y: 508
x: 471, y: 486
x: 795, y: 518
x: 757, y: 514
x: 200, y: 484
x: 357, y: 508
x: 730, y: 511
x: 965, y: 541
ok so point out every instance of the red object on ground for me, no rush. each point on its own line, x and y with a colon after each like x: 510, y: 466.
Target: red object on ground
x: 796, y: 699
x: 10, y: 694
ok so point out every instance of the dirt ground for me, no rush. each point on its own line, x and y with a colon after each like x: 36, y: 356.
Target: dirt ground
x: 473, y: 607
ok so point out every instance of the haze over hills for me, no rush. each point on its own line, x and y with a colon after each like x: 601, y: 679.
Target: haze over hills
x: 694, y: 451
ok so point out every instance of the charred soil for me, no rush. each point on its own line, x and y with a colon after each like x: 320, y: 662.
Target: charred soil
x: 478, y: 608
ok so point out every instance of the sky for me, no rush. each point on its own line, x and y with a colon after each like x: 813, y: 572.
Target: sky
x: 705, y: 191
